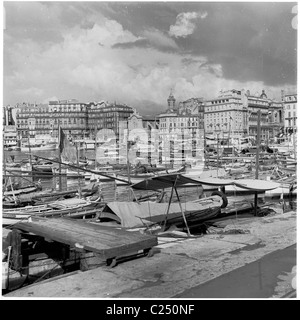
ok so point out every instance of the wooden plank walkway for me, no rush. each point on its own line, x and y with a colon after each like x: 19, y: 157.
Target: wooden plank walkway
x: 106, y: 242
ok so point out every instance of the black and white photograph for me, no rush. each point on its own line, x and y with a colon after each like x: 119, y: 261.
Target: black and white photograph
x: 149, y: 153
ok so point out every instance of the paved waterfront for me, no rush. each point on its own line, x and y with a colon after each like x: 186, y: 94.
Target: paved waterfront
x: 270, y: 276
x: 185, y: 267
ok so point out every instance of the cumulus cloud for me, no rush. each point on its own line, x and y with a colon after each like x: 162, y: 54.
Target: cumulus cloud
x: 185, y: 24
x: 110, y: 61
x: 159, y: 39
x: 150, y: 38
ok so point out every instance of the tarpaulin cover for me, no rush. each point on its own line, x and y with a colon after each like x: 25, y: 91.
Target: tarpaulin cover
x: 134, y: 214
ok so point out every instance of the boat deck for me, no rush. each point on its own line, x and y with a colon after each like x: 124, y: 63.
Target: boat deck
x: 105, y: 242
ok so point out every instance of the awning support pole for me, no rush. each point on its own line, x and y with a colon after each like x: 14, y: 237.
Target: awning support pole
x: 187, y: 227
x: 171, y: 196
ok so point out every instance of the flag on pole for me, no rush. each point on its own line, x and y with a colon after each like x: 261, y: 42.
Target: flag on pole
x: 67, y: 151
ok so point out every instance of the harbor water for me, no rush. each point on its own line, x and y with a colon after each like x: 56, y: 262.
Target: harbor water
x: 111, y: 191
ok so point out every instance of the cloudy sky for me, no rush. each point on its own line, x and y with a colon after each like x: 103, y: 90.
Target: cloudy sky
x: 135, y: 52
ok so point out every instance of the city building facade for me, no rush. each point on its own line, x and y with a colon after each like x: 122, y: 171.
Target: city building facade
x: 10, y: 137
x: 79, y: 120
x: 103, y: 115
x: 226, y: 114
x: 188, y: 116
x: 290, y: 112
x: 235, y: 114
x: 71, y: 116
x: 181, y: 128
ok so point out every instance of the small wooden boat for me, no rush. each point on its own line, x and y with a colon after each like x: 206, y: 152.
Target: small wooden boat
x: 73, y: 208
x: 42, y: 170
x: 186, y: 215
x: 74, y: 174
x: 138, y: 177
x: 22, y: 190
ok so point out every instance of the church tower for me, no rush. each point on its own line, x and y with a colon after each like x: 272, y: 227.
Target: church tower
x: 171, y: 101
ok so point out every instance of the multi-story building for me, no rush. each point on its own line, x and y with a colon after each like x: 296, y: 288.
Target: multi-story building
x: 10, y: 138
x: 71, y: 115
x: 41, y: 122
x: 77, y: 119
x: 189, y: 116
x: 235, y: 114
x: 103, y: 115
x: 182, y: 128
x: 256, y: 103
x: 8, y: 116
x: 276, y: 119
x: 27, y: 117
x: 226, y: 114
x: 290, y: 112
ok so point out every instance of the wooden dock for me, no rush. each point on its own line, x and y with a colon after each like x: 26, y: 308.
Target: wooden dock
x: 107, y: 243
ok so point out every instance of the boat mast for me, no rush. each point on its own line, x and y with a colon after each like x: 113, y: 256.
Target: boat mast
x: 95, y: 147
x: 128, y: 164
x: 217, y: 154
x: 59, y: 157
x: 257, y: 158
x: 78, y: 171
x: 294, y: 143
x: 30, y: 156
x: 4, y: 169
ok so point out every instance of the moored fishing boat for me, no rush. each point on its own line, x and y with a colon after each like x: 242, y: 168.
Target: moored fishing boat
x: 187, y: 215
x: 138, y: 177
x: 22, y: 190
x: 73, y: 208
x: 73, y: 174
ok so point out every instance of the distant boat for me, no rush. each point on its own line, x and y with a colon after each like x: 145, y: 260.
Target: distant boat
x: 22, y: 190
x: 27, y: 147
x: 135, y: 178
x: 15, y: 148
x: 73, y: 174
x: 42, y: 170
x: 49, y: 146
x: 39, y: 146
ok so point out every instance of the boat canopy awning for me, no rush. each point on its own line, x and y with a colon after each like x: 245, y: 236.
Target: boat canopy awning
x: 249, y: 184
x: 258, y: 185
x: 165, y: 181
x: 179, y: 180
